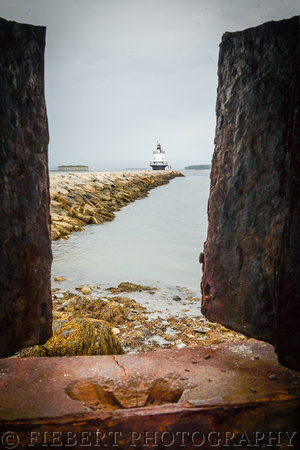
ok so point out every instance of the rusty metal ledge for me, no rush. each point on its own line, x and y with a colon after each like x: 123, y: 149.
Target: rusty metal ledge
x: 232, y: 395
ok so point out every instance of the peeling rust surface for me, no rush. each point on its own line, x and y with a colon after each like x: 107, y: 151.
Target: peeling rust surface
x: 25, y: 248
x: 240, y: 387
x: 251, y: 270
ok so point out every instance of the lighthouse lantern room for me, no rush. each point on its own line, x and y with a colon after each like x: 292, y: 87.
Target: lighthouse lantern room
x: 158, y: 162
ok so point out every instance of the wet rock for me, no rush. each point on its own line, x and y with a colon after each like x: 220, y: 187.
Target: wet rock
x: 201, y: 330
x: 25, y: 251
x: 86, y: 218
x: 64, y: 306
x: 179, y: 343
x: 55, y: 234
x: 86, y: 290
x: 77, y: 306
x: 130, y: 287
x: 78, y: 337
x: 90, y: 209
x: 59, y: 279
x: 35, y: 351
x: 251, y: 269
x: 113, y: 312
x: 62, y: 228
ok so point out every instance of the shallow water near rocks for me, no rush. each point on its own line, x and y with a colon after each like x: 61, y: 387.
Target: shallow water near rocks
x: 143, y: 318
x: 154, y: 241
x: 161, y: 302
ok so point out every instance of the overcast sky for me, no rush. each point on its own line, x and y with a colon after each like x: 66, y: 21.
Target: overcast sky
x: 124, y: 74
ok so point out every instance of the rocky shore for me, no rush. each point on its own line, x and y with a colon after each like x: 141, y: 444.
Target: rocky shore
x: 98, y: 320
x: 78, y: 199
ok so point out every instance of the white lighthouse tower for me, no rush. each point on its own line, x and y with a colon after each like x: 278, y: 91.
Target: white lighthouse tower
x: 158, y: 162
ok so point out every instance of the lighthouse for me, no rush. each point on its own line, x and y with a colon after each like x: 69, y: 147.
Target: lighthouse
x: 158, y: 162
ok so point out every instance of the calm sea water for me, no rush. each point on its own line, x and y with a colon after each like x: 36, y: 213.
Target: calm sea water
x: 155, y: 239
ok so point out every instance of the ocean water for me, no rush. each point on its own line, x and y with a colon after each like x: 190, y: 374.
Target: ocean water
x: 155, y: 240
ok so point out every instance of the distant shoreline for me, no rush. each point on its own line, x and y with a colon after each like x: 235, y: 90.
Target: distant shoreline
x: 198, y: 167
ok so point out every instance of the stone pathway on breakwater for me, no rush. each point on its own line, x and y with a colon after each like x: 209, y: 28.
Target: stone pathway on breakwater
x: 78, y: 199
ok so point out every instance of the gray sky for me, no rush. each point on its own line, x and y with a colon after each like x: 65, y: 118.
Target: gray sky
x: 122, y: 74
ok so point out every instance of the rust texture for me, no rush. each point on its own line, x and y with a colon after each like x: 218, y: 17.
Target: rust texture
x: 25, y: 252
x: 251, y: 271
x: 173, y: 394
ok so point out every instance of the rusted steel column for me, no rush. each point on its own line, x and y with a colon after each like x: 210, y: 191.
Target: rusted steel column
x: 251, y: 279
x: 25, y: 251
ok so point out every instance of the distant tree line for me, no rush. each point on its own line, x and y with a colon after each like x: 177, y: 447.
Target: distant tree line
x: 198, y: 167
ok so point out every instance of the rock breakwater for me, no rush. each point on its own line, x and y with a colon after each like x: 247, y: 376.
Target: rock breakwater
x: 92, y: 198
